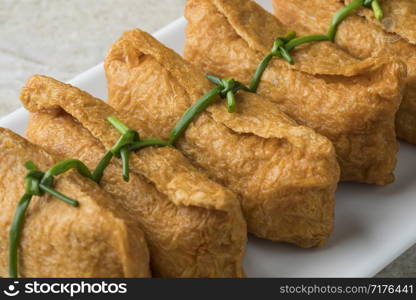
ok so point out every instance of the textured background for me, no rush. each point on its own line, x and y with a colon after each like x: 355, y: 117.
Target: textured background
x: 62, y: 38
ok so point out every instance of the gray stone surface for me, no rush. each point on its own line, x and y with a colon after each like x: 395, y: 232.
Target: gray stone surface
x: 62, y: 38
x: 404, y: 266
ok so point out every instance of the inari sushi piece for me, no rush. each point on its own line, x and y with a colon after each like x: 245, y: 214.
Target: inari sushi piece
x: 363, y: 36
x: 194, y: 227
x: 95, y: 239
x: 285, y: 174
x: 351, y: 102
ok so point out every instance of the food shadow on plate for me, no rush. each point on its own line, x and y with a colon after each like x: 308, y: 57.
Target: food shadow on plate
x: 405, y: 170
x: 346, y: 228
x: 345, y: 232
x: 404, y: 181
x: 404, y: 174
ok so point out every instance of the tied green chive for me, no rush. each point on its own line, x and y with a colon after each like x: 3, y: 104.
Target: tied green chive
x: 121, y: 148
x: 37, y: 184
x: 129, y: 141
x: 282, y: 47
x: 229, y: 88
x: 285, y: 55
x: 225, y: 88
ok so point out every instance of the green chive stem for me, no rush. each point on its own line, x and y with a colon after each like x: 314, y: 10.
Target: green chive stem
x: 120, y: 126
x: 125, y: 153
x: 15, y: 234
x: 66, y: 165
x: 98, y: 173
x: 215, y: 80
x: 191, y: 113
x: 378, y: 12
x: 285, y: 55
x: 59, y: 195
x: 305, y: 39
x: 231, y: 102
x: 282, y: 48
x: 127, y: 138
x: 148, y: 143
x: 255, y: 81
x: 30, y: 165
x: 290, y: 36
x: 32, y: 183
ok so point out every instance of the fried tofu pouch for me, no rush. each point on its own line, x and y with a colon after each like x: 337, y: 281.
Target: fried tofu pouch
x: 194, y: 227
x: 285, y: 174
x: 95, y: 239
x: 351, y: 102
x: 363, y: 36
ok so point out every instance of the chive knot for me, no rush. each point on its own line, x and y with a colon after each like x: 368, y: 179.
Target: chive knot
x: 122, y: 148
x: 279, y: 47
x: 129, y: 141
x: 228, y: 87
x: 37, y: 183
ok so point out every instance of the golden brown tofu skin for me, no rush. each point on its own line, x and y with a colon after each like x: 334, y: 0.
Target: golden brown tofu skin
x: 351, y: 102
x: 285, y: 174
x: 95, y: 239
x: 194, y: 227
x: 365, y: 37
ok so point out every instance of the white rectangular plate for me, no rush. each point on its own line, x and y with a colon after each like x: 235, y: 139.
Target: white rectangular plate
x: 373, y: 225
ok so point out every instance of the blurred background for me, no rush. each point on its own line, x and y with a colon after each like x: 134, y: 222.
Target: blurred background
x: 63, y: 38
